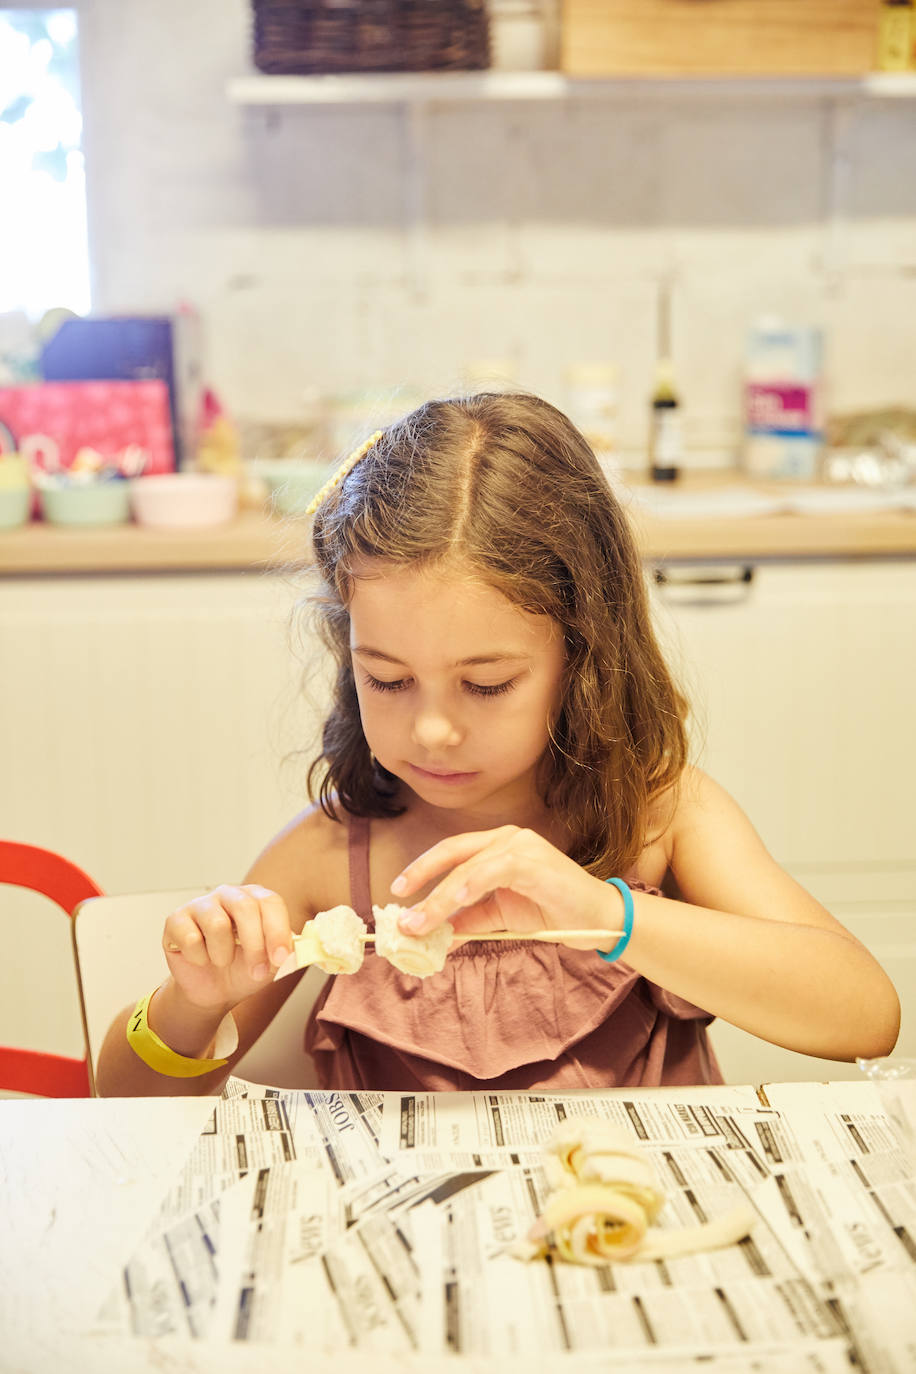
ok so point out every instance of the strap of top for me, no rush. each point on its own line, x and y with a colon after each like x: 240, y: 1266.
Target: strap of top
x: 358, y: 855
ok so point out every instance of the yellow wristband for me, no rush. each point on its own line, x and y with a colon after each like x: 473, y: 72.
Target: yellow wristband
x: 146, y: 1044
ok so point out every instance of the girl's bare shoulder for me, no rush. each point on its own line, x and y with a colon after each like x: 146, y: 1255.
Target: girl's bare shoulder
x: 307, y: 864
x: 720, y: 861
x: 699, y: 798
x: 672, y: 813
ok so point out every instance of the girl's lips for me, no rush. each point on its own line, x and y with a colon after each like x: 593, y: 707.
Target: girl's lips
x: 435, y: 776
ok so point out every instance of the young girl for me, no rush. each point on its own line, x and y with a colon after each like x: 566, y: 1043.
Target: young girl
x: 505, y: 749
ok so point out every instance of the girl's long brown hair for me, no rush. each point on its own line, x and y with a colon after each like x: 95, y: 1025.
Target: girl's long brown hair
x: 508, y: 485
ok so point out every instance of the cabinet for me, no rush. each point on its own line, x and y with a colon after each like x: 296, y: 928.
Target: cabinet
x: 156, y: 728
x: 801, y: 676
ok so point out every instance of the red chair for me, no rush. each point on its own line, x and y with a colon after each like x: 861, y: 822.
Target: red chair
x: 41, y: 870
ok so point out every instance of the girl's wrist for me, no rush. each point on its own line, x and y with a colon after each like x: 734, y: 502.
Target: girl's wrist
x: 615, y: 912
x: 187, y: 1029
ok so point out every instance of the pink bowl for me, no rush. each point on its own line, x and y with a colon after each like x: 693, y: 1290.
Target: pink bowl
x: 174, y: 500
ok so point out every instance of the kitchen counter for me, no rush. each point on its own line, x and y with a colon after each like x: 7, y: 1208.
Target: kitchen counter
x: 825, y: 1280
x: 754, y: 525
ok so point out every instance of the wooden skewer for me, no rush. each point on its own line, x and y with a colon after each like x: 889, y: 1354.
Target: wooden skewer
x: 550, y: 937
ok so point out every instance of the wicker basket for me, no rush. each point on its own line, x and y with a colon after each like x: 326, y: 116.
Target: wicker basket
x: 296, y: 37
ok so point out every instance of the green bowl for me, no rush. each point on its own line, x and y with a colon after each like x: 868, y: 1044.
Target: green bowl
x: 15, y: 507
x: 92, y: 503
x: 292, y: 485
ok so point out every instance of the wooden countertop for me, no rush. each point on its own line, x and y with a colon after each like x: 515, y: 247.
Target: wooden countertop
x: 256, y: 540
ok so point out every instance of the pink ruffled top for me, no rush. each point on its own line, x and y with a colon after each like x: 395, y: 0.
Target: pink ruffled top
x: 502, y: 1015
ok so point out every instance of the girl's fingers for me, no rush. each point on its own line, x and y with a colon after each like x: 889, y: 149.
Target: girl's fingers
x: 277, y: 931
x: 214, y: 929
x: 183, y: 936
x: 519, y: 881
x: 489, y: 914
x: 467, y: 886
x: 445, y: 855
x: 512, y: 878
x: 247, y: 914
x: 218, y: 915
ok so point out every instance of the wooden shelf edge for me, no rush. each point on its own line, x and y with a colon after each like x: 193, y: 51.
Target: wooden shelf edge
x: 258, y: 543
x: 432, y: 87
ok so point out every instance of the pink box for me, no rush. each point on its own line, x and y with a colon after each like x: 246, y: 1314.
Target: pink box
x: 787, y: 407
x: 51, y: 421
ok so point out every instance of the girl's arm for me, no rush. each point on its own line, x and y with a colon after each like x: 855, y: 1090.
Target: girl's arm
x: 222, y: 950
x: 753, y: 946
x: 229, y: 944
x: 747, y: 943
x: 188, y: 1031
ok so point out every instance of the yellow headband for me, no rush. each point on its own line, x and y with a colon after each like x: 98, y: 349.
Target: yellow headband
x: 346, y: 466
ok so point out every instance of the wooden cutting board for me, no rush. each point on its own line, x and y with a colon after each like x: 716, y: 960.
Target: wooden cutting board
x: 718, y: 37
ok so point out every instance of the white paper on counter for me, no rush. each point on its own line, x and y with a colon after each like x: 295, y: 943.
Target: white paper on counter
x: 379, y: 1223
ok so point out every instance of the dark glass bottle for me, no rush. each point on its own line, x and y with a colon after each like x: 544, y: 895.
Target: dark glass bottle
x: 666, y: 443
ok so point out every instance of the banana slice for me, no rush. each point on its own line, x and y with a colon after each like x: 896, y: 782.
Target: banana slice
x: 592, y: 1224
x: 420, y: 955
x: 605, y: 1197
x: 592, y: 1151
x: 334, y: 940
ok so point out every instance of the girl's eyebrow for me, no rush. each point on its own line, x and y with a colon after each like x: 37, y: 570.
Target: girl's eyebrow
x: 507, y: 657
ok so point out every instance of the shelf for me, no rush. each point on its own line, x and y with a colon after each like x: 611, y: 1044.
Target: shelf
x: 397, y: 88
x: 418, y: 88
x: 706, y: 529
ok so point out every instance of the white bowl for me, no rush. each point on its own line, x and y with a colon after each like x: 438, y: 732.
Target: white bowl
x: 177, y: 500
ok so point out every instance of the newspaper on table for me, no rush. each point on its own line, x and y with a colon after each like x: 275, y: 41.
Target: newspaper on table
x: 383, y: 1222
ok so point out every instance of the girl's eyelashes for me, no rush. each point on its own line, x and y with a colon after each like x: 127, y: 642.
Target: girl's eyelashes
x: 496, y: 690
x: 379, y: 685
x: 476, y: 689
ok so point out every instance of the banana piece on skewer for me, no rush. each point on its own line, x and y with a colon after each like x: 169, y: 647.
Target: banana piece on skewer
x: 420, y: 955
x: 335, y: 941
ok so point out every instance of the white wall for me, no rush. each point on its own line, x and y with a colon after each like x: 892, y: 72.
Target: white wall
x: 547, y: 228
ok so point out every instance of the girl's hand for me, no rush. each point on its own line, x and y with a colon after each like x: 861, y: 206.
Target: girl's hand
x: 224, y: 946
x: 506, y: 879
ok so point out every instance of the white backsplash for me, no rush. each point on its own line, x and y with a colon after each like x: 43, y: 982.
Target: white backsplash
x: 330, y: 246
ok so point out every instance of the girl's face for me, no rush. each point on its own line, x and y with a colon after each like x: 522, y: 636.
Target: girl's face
x: 457, y: 686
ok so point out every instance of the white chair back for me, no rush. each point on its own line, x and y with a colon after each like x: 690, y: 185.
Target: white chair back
x: 117, y: 949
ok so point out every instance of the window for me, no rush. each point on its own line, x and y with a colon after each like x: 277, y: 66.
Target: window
x: 44, y: 257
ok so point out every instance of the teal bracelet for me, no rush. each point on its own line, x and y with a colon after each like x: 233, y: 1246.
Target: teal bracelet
x: 628, y: 914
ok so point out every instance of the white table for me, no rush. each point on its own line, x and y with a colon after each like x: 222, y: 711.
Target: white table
x: 80, y: 1182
